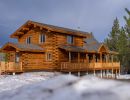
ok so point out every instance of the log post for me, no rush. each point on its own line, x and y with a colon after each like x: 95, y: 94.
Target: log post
x: 69, y: 56
x: 101, y: 57
x: 101, y: 74
x: 78, y: 57
x: 94, y: 60
x: 87, y: 62
x: 112, y: 73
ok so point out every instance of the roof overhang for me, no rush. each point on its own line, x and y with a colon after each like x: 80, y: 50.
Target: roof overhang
x: 17, y: 48
x: 49, y: 28
x: 70, y: 48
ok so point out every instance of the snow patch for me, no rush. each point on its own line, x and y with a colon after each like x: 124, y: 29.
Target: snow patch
x: 68, y: 87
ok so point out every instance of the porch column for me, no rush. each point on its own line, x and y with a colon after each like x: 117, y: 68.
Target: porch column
x: 101, y: 73
x: 112, y: 73
x: 112, y: 60
x: 106, y: 58
x: 94, y: 60
x: 69, y: 56
x: 119, y: 72
x: 101, y: 57
x: 87, y: 58
x: 87, y: 62
x: 78, y: 57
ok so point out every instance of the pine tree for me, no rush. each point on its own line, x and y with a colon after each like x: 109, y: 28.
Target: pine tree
x: 127, y: 30
x: 127, y: 26
x: 122, y: 46
x: 112, y: 39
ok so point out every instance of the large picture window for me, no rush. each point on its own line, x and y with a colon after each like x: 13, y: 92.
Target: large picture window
x: 70, y: 39
x: 42, y: 38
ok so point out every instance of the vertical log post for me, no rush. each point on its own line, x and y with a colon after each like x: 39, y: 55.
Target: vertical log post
x: 112, y: 72
x: 94, y: 60
x: 78, y: 57
x: 112, y: 64
x: 87, y: 62
x: 101, y: 57
x: 69, y: 56
x: 101, y: 73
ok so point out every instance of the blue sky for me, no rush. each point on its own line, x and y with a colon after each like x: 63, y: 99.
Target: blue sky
x: 90, y: 15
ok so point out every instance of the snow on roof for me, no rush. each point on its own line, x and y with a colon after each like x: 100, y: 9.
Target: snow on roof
x: 67, y: 87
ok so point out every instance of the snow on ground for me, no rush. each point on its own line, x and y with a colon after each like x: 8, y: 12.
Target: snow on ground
x: 9, y: 82
x: 67, y: 87
x: 124, y: 76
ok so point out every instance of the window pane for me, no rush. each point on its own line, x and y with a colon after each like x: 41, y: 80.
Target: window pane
x: 42, y: 38
x: 70, y: 39
x: 48, y: 56
x: 28, y: 40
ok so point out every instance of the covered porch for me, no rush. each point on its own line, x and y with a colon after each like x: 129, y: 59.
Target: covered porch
x: 90, y: 61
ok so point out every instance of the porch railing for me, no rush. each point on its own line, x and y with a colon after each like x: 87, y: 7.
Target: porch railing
x: 67, y: 66
x: 10, y: 67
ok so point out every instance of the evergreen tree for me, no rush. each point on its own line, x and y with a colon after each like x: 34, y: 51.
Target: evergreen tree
x: 112, y: 39
x: 127, y: 26
x: 127, y: 30
x: 122, y: 47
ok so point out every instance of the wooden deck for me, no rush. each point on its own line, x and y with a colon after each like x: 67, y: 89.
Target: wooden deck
x: 10, y: 67
x: 74, y: 67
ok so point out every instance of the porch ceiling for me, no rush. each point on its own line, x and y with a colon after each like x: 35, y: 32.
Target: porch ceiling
x: 23, y: 47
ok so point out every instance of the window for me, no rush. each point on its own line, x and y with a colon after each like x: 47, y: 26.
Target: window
x: 70, y: 39
x: 48, y: 56
x: 42, y: 38
x: 17, y: 57
x: 28, y: 40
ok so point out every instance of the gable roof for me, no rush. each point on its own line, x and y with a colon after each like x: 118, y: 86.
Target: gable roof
x: 24, y: 47
x: 91, y: 44
x: 52, y: 28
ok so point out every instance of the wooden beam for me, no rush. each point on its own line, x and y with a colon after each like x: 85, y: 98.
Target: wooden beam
x: 25, y: 29
x: 19, y: 33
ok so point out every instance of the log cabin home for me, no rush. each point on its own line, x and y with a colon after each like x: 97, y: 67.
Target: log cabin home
x: 43, y: 47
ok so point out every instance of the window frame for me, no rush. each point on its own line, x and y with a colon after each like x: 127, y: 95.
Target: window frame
x: 17, y: 57
x: 42, y: 38
x: 70, y: 39
x: 28, y: 40
x: 48, y: 56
